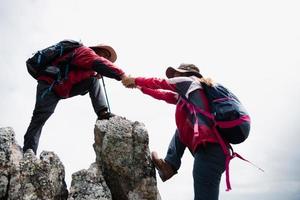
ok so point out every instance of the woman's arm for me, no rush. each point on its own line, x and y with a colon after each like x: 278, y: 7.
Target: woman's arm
x: 168, y: 96
x: 155, y: 83
x: 178, y: 85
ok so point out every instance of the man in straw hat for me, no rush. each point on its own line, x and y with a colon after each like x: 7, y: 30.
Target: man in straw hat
x: 87, y: 65
x: 185, y: 83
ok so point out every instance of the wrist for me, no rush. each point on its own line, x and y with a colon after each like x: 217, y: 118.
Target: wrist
x: 123, y: 76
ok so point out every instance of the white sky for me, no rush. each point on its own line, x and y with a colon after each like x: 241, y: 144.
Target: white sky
x: 252, y: 47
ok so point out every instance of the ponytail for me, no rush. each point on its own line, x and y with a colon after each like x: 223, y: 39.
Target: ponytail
x: 207, y: 81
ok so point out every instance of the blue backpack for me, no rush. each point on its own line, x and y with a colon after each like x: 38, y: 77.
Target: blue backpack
x: 40, y: 62
x: 231, y: 118
x: 231, y: 121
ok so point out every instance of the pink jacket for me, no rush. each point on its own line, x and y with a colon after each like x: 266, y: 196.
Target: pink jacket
x: 174, y: 91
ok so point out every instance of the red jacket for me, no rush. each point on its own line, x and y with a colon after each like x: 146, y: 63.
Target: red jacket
x: 171, y: 91
x: 85, y: 62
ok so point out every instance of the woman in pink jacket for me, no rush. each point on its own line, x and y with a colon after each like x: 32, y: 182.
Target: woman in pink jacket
x: 184, y: 85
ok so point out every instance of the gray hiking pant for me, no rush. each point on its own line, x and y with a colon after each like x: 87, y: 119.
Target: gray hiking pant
x: 209, y: 164
x: 44, y: 107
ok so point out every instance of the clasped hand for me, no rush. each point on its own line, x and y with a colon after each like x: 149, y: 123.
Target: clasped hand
x: 128, y: 81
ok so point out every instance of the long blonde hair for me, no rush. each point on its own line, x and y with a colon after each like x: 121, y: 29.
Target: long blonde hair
x: 207, y: 81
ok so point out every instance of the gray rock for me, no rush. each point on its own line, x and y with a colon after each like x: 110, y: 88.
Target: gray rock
x: 123, y: 169
x: 10, y: 156
x: 41, y: 178
x: 29, y: 178
x: 89, y: 185
x: 122, y: 152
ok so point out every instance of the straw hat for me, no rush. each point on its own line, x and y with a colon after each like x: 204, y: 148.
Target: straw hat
x: 105, y: 51
x: 184, y: 69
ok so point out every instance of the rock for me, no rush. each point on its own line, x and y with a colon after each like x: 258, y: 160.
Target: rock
x: 10, y: 156
x: 29, y: 178
x: 122, y: 152
x: 123, y: 169
x: 41, y: 178
x: 89, y: 185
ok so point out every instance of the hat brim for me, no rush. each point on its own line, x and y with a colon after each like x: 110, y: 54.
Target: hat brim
x: 113, y: 54
x: 170, y: 72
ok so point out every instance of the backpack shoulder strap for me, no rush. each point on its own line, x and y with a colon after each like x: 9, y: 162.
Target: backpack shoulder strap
x: 226, y: 147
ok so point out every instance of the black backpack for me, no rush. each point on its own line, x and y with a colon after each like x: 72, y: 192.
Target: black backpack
x: 40, y: 62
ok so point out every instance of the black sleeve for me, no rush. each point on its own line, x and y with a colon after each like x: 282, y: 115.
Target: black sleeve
x: 107, y: 71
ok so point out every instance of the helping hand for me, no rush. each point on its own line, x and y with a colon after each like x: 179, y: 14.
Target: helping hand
x: 128, y: 82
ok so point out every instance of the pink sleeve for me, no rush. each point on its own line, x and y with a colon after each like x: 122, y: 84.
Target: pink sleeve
x: 155, y: 83
x: 168, y: 96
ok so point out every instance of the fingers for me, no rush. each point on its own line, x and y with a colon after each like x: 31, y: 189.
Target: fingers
x: 128, y: 81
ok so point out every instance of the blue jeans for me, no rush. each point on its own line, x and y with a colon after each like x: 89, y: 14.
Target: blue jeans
x: 209, y: 164
x: 45, y: 107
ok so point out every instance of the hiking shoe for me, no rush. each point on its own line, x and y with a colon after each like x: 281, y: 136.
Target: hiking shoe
x: 105, y: 115
x: 164, y: 169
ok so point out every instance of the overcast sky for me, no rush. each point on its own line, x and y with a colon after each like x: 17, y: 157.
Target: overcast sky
x: 252, y: 47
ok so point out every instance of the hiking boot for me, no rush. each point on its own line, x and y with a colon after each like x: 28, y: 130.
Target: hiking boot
x: 105, y: 115
x: 164, y: 169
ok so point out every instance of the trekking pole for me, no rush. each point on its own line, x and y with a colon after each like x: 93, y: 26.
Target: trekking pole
x: 105, y: 94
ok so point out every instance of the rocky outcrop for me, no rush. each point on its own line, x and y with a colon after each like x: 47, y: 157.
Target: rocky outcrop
x: 122, y: 152
x: 41, y: 178
x: 89, y: 185
x: 10, y: 156
x: 26, y: 177
x: 122, y: 171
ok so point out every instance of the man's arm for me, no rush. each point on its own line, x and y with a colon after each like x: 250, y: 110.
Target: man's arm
x: 86, y: 59
x: 106, y: 68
